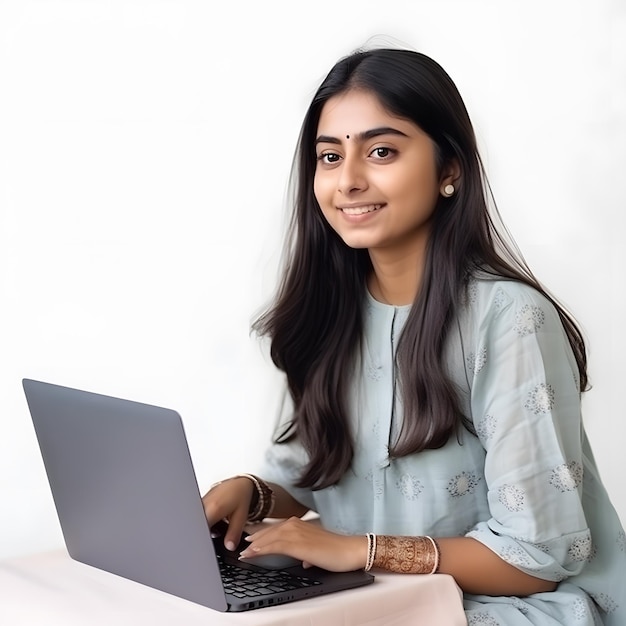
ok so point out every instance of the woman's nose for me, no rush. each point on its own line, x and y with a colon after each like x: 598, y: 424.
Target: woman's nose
x: 351, y: 176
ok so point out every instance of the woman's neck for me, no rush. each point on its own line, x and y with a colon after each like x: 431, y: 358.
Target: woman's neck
x: 395, y: 279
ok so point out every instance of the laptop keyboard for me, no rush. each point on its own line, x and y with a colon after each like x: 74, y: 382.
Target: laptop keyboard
x: 249, y: 583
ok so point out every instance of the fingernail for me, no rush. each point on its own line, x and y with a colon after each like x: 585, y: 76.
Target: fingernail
x: 230, y: 545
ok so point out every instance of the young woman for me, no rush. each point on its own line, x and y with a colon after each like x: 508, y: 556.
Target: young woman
x: 435, y: 385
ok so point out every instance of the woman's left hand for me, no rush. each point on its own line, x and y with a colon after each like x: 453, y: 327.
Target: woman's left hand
x: 309, y: 543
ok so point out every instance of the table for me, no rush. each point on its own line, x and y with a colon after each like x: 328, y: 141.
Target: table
x: 50, y: 589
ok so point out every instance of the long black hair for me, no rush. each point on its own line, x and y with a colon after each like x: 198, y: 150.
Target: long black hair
x: 315, y: 321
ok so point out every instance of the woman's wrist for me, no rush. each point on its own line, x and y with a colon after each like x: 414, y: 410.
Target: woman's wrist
x: 404, y: 555
x: 263, y: 499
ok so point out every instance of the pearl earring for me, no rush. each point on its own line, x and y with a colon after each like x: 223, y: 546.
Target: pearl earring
x: 448, y: 191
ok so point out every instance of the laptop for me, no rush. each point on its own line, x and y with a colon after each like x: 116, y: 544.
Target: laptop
x: 128, y: 502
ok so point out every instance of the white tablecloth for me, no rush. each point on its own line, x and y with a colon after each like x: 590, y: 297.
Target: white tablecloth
x: 51, y: 589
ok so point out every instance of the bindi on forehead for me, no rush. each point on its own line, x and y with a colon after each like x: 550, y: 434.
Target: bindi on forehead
x: 347, y: 136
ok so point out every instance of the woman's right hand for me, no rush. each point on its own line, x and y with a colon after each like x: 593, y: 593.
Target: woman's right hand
x: 230, y: 501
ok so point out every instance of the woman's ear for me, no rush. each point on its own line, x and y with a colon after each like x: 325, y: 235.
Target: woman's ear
x: 450, y: 178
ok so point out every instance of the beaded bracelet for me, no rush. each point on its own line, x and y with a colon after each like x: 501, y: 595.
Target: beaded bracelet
x: 371, y: 551
x: 437, y: 552
x: 265, y: 499
x: 263, y: 505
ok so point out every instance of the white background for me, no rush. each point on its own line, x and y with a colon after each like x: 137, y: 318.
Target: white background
x: 145, y: 147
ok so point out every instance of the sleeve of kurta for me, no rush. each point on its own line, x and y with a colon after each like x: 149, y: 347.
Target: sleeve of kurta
x: 525, y: 402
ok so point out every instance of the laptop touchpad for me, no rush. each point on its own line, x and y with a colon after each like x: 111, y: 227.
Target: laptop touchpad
x: 272, y: 561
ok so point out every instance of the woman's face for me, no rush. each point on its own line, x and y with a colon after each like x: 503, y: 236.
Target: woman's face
x: 376, y: 178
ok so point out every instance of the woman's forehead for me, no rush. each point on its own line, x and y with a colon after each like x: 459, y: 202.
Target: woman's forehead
x: 354, y: 112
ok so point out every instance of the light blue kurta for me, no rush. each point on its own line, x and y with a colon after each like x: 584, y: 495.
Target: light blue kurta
x: 527, y: 486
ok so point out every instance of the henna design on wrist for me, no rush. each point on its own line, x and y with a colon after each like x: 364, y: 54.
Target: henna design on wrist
x: 406, y: 555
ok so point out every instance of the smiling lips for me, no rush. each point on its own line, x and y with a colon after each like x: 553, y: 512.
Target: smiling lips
x: 360, y: 210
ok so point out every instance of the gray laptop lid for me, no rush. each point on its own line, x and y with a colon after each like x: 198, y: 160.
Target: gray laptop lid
x: 125, y: 491
x: 128, y: 502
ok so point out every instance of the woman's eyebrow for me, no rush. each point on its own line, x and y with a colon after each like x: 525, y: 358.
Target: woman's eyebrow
x: 365, y: 135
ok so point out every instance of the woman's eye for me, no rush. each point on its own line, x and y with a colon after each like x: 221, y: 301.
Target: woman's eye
x: 328, y: 157
x: 382, y: 153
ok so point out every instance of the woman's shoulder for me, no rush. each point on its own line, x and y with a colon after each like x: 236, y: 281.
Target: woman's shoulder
x: 489, y: 299
x: 497, y: 293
